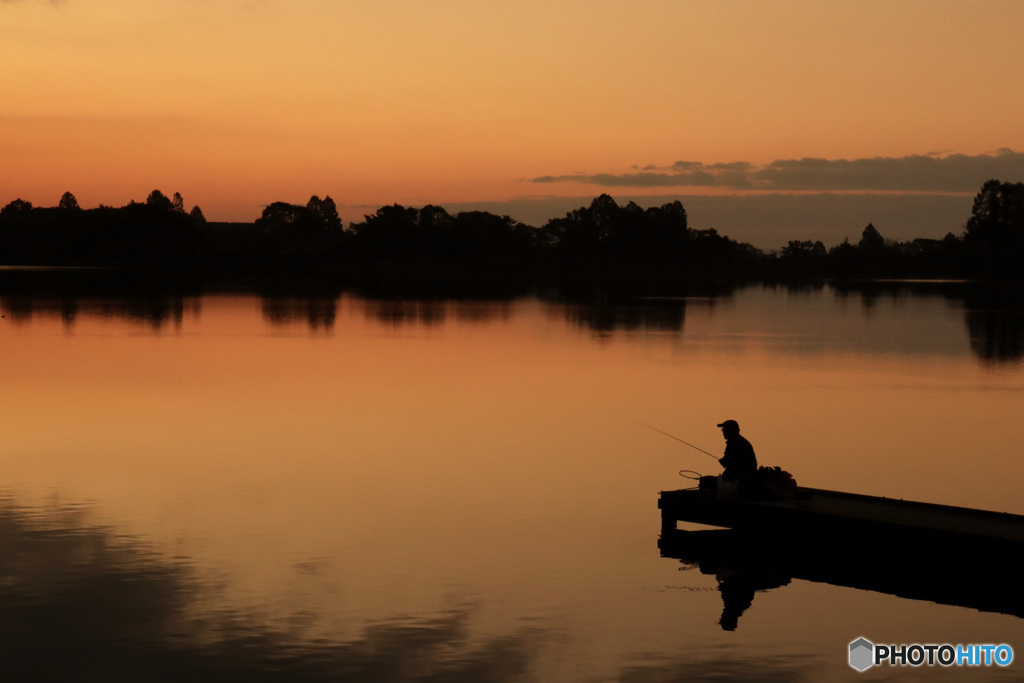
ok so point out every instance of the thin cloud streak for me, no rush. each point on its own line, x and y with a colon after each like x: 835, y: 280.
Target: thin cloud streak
x: 953, y: 173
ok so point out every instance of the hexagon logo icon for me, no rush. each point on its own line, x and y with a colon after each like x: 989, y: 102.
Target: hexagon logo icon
x: 862, y: 654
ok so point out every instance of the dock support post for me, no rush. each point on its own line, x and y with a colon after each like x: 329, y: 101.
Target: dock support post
x: 668, y: 518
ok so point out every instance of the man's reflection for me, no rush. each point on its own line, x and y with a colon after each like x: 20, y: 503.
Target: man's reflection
x: 740, y: 574
x: 737, y: 595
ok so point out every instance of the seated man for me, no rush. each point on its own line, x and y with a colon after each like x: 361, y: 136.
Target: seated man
x: 739, y: 460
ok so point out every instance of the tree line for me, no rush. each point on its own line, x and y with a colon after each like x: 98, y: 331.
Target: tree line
x: 991, y: 245
x: 160, y: 232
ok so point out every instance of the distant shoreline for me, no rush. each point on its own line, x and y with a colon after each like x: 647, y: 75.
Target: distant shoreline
x: 604, y: 242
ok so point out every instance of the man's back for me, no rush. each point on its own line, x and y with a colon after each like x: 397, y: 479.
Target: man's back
x: 739, y: 459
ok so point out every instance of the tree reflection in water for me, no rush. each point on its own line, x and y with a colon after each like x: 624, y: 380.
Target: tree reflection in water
x: 80, y: 602
x: 993, y: 311
x: 317, y: 313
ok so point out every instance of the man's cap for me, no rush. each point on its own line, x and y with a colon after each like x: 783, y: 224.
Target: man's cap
x: 730, y: 423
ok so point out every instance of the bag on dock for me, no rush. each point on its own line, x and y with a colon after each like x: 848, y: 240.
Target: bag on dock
x: 768, y: 483
x: 774, y: 483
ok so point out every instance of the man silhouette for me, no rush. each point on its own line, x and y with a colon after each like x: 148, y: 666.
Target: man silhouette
x: 739, y: 460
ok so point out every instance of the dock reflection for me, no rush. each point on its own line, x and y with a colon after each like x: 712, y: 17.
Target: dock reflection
x: 744, y: 565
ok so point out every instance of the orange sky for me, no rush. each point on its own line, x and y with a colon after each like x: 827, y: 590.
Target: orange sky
x: 237, y: 103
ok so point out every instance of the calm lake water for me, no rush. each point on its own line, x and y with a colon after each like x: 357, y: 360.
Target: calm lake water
x: 241, y: 488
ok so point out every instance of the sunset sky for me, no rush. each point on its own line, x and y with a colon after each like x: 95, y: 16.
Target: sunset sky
x: 763, y: 117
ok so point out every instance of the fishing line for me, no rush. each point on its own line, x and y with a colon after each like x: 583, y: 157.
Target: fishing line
x: 678, y: 439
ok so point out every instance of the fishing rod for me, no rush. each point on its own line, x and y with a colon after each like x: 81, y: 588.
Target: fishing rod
x: 678, y: 439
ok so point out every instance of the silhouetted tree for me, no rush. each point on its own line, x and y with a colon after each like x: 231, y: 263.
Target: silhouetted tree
x: 280, y: 217
x: 391, y: 231
x: 137, y: 233
x: 19, y: 234
x: 804, y: 252
x: 398, y: 231
x: 656, y: 232
x: 329, y: 212
x: 326, y: 209
x: 68, y: 201
x: 930, y: 257
x: 178, y: 203
x: 196, y: 214
x: 483, y: 234
x: 301, y: 233
x: 606, y: 229
x: 583, y: 231
x: 283, y: 213
x: 669, y: 227
x: 158, y: 201
x: 18, y: 206
x: 994, y: 234
x: 871, y: 240
x: 872, y: 255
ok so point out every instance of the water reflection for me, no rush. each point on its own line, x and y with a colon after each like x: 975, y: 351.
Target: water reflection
x: 605, y: 311
x: 396, y: 313
x: 764, y: 669
x: 499, y: 461
x: 150, y: 298
x: 744, y: 565
x: 79, y: 601
x: 995, y: 323
x: 605, y: 315
x: 993, y: 316
x: 319, y: 314
x: 993, y: 312
x: 997, y: 336
x: 482, y: 311
x: 156, y: 312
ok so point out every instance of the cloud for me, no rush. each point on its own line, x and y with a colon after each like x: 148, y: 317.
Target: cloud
x: 953, y: 173
x: 680, y: 174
